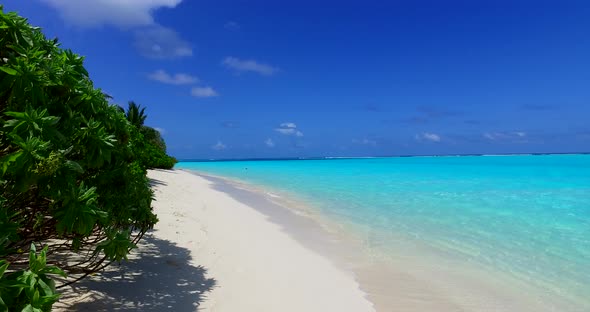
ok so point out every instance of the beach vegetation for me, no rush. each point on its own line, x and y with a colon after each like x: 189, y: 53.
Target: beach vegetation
x: 73, y: 167
x: 135, y: 114
x: 148, y: 140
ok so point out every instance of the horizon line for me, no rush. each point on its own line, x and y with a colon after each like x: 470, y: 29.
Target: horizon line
x: 369, y: 157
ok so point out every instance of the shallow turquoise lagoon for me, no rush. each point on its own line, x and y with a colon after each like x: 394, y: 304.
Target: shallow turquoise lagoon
x: 524, y: 215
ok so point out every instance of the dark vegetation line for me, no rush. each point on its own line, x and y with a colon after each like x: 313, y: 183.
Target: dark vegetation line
x: 74, y: 195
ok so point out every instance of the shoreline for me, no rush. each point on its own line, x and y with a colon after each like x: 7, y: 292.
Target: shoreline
x: 212, y: 252
x: 228, y: 230
x: 423, y: 279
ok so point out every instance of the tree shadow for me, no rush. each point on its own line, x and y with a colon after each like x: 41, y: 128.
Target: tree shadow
x: 159, y: 277
x: 153, y: 182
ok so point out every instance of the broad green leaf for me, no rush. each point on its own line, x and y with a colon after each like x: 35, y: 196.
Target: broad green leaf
x: 28, y: 308
x: 35, y: 298
x: 53, y: 270
x: 44, y: 287
x: 18, y: 115
x: 48, y: 300
x: 10, y: 158
x: 8, y: 70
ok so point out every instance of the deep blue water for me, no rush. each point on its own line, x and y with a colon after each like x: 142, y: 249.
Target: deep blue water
x: 524, y: 215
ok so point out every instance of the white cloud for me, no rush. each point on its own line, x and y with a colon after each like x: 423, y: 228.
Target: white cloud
x: 219, y: 146
x: 365, y: 141
x: 203, y: 92
x: 505, y: 136
x: 286, y: 131
x: 288, y: 125
x: 159, y: 42
x: 161, y: 130
x: 151, y: 39
x: 231, y: 25
x: 176, y: 79
x: 432, y: 137
x: 269, y: 142
x: 289, y: 128
x: 119, y: 13
x: 249, y: 66
x: 490, y: 136
x: 230, y: 124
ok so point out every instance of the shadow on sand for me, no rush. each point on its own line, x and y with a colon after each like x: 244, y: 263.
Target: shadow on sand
x: 154, y: 182
x: 160, y: 277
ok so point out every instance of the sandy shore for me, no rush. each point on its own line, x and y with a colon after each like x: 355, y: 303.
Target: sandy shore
x: 223, y: 246
x: 211, y: 252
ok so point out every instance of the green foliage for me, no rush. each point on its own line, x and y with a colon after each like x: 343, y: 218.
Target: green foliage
x: 116, y: 246
x: 151, y: 154
x: 135, y: 114
x: 149, y: 142
x: 30, y: 289
x: 72, y: 169
x: 153, y: 137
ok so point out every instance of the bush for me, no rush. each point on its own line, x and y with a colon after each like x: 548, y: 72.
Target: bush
x: 30, y: 289
x: 152, y: 150
x: 149, y: 142
x: 72, y: 170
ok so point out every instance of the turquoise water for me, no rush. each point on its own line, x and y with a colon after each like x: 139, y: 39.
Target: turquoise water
x: 524, y: 215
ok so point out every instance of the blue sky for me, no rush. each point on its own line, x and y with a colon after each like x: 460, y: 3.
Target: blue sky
x: 237, y: 79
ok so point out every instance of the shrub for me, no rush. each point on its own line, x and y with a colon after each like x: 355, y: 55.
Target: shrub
x: 72, y: 169
x: 149, y: 142
x: 30, y: 289
x: 151, y: 150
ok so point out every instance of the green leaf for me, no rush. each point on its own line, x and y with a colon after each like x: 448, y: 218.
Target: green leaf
x: 53, y: 270
x: 35, y: 297
x: 3, y: 267
x: 8, y: 70
x: 32, y: 254
x: 18, y: 115
x: 28, y: 308
x: 3, y: 306
x: 48, y: 300
x: 10, y: 158
x: 47, y: 291
x: 74, y: 166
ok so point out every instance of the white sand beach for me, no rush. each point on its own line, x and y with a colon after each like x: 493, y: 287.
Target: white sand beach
x: 218, y: 247
x: 211, y: 252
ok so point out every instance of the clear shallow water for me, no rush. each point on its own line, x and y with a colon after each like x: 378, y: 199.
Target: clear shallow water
x: 528, y: 216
